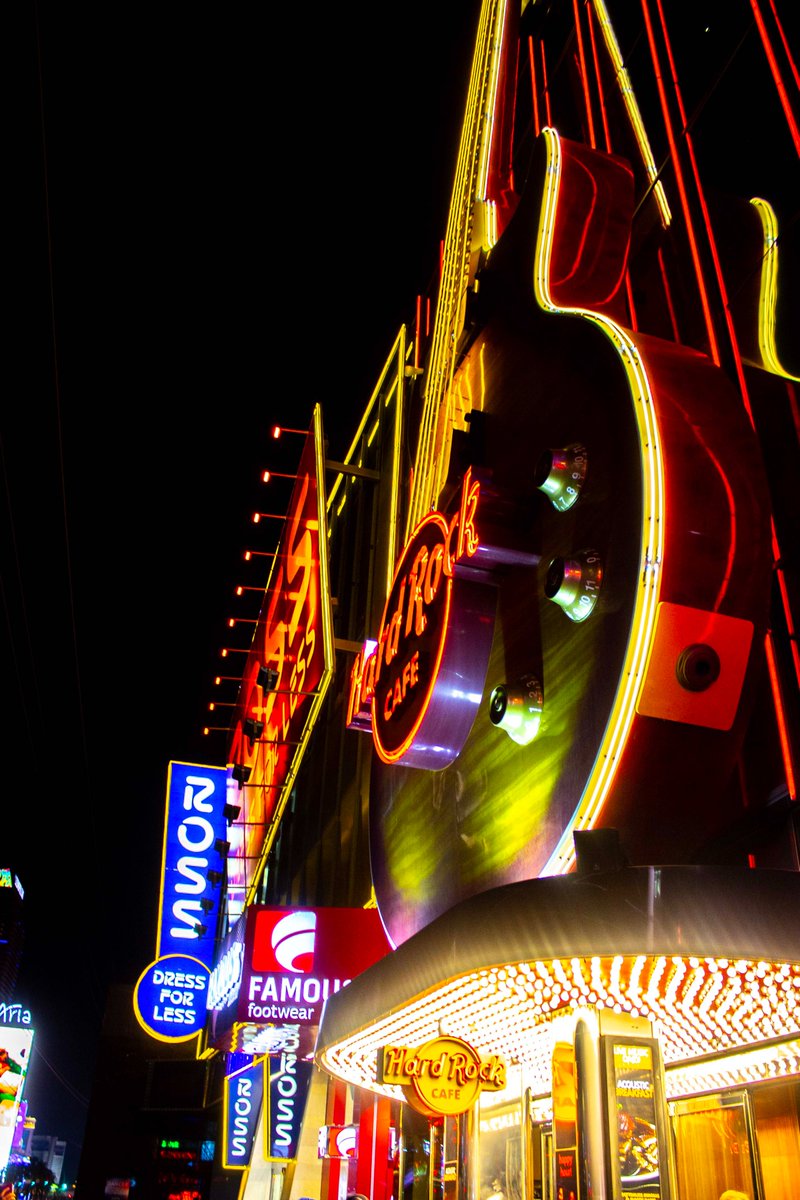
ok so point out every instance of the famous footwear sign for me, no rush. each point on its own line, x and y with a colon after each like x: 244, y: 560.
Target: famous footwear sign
x: 280, y: 966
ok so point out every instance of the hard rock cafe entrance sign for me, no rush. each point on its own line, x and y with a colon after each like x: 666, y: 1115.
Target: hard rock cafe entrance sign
x: 442, y: 1078
x: 419, y: 688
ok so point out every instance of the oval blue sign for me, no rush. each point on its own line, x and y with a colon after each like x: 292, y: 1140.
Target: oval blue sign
x: 169, y: 999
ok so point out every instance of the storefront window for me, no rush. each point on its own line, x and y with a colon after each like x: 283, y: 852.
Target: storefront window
x: 713, y: 1146
x: 776, y: 1111
x: 415, y: 1156
x: 501, y: 1153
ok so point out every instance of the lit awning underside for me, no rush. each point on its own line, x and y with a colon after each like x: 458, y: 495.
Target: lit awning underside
x: 710, y: 955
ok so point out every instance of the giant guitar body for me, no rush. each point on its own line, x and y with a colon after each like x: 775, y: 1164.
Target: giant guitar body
x: 630, y: 610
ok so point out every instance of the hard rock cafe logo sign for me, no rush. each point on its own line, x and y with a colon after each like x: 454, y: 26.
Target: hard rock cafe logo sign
x: 417, y: 689
x: 445, y: 1076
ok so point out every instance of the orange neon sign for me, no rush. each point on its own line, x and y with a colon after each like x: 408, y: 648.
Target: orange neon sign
x: 395, y: 690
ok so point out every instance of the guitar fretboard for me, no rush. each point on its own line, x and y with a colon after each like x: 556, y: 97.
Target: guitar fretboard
x: 463, y: 239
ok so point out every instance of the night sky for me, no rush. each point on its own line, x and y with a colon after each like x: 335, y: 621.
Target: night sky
x: 216, y: 223
x: 218, y: 218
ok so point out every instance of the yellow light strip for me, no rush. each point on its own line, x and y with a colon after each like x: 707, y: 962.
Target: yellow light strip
x: 510, y: 1011
x: 390, y: 386
x: 653, y: 515
x: 469, y: 186
x: 768, y: 298
x: 779, y: 1060
x: 629, y: 100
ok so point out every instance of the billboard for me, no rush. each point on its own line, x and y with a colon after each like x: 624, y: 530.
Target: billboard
x: 286, y: 674
x: 15, y: 1053
x: 636, y: 1129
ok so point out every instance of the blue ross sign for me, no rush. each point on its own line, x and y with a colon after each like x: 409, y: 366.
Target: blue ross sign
x: 289, y: 1079
x: 242, y: 1096
x: 194, y: 845
x: 169, y: 999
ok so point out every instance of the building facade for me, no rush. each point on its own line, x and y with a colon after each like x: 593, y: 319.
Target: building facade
x: 526, y: 673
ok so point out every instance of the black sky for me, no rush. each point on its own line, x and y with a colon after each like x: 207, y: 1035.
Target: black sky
x: 217, y: 222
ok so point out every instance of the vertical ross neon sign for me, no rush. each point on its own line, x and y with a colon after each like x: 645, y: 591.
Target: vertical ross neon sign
x: 193, y: 822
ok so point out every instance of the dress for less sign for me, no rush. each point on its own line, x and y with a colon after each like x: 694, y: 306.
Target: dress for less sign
x: 169, y: 999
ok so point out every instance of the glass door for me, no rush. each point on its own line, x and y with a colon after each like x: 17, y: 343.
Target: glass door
x: 714, y: 1152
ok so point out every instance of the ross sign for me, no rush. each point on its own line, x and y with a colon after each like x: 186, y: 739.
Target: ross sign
x: 242, y: 1095
x: 289, y: 1080
x: 424, y: 678
x: 169, y: 998
x: 194, y: 824
x: 288, y: 668
x: 442, y: 1078
x: 15, y: 1053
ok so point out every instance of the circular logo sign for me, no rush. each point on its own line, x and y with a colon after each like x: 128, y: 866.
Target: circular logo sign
x: 425, y: 676
x: 412, y: 638
x: 169, y: 999
x: 453, y: 1082
x: 443, y: 1077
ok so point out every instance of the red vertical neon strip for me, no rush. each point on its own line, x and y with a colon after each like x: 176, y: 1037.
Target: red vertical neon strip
x: 785, y: 44
x: 776, y: 75
x: 668, y: 295
x: 729, y: 322
x: 537, y: 128
x: 693, y: 247
x: 599, y: 78
x: 545, y: 86
x: 787, y: 611
x: 335, y: 1107
x: 793, y: 407
x: 783, y: 734
x: 584, y: 75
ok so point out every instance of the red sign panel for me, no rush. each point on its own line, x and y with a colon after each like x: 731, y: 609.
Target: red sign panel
x: 295, y: 958
x: 287, y: 672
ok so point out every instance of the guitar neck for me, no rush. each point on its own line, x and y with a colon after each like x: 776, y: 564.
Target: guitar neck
x: 463, y: 240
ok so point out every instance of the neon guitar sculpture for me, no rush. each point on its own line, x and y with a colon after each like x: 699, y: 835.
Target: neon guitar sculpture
x: 621, y: 561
